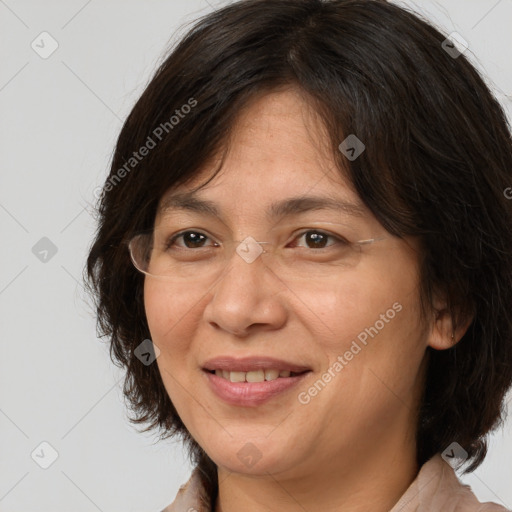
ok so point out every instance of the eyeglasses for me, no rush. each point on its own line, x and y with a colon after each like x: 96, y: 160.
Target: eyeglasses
x: 156, y: 253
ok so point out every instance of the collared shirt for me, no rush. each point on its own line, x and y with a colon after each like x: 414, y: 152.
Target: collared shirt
x: 436, y: 488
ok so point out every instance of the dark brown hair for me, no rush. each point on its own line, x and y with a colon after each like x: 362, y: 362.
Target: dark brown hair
x: 437, y: 161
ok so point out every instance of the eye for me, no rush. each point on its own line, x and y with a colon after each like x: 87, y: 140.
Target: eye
x: 191, y: 239
x: 318, y: 239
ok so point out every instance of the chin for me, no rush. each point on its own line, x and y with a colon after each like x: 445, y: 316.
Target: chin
x: 252, y: 455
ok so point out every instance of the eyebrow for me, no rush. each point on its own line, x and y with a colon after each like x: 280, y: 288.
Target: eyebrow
x: 285, y: 208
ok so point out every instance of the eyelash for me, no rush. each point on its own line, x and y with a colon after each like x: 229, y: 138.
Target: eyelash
x: 339, y: 239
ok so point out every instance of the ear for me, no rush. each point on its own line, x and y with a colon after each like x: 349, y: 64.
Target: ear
x: 442, y: 334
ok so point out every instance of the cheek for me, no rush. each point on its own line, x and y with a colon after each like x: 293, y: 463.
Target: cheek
x: 158, y: 305
x: 172, y: 316
x: 391, y: 342
x: 168, y: 309
x: 374, y: 317
x: 172, y: 319
x: 348, y: 308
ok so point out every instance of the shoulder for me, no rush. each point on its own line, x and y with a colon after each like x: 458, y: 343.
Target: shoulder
x: 191, y: 496
x: 437, y: 488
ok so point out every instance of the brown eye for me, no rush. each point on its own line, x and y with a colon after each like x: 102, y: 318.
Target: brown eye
x: 318, y: 239
x: 191, y: 239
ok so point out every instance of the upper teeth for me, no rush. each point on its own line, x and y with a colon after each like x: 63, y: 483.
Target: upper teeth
x: 254, y: 376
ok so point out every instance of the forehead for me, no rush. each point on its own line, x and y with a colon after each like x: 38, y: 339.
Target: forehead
x: 278, y: 162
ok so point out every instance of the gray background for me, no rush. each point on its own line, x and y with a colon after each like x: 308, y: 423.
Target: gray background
x: 59, y: 120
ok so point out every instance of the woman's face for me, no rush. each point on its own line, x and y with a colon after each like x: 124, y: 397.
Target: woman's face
x: 352, y: 321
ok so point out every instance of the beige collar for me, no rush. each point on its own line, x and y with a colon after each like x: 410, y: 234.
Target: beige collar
x: 436, y: 488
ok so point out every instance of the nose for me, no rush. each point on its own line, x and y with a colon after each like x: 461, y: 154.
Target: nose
x: 246, y: 297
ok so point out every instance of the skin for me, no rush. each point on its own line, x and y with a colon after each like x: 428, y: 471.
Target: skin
x: 352, y: 446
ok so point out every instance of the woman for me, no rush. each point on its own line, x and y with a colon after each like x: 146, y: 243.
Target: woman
x: 304, y: 259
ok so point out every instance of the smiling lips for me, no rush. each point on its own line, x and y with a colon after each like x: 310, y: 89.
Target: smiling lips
x: 254, y: 376
x: 251, y: 381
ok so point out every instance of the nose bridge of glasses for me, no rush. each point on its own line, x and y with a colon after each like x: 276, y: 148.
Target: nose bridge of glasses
x: 250, y: 249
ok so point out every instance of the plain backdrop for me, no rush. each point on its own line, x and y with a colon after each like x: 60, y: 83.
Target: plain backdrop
x: 60, y: 115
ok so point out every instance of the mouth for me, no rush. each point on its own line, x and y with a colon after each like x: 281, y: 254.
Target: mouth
x: 256, y: 375
x: 250, y: 382
x: 253, y: 369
